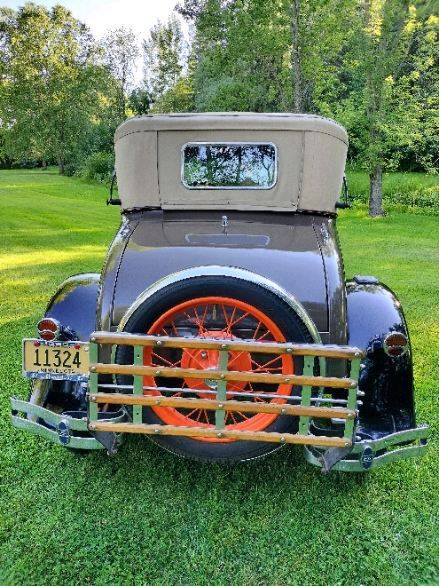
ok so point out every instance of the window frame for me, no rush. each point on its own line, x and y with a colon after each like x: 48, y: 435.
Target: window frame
x: 228, y: 143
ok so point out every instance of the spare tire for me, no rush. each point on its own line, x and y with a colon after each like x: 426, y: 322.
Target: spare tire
x: 225, y: 308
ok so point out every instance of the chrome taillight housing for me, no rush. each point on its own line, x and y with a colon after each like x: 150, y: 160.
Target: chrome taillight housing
x: 49, y: 329
x: 395, y: 344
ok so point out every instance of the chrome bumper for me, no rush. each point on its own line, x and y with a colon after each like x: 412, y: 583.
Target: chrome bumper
x: 369, y: 454
x: 59, y: 428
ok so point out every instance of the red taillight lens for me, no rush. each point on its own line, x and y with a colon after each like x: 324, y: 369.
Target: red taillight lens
x: 395, y: 344
x: 48, y: 329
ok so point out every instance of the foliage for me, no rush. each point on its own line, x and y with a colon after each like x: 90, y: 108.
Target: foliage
x: 120, y: 54
x: 98, y: 166
x: 163, y: 53
x: 145, y: 517
x: 367, y: 63
x: 178, y: 98
x: 370, y: 64
x: 51, y: 90
x: 414, y: 192
x: 139, y: 101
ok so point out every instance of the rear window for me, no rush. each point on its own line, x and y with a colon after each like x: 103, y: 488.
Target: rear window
x: 229, y: 165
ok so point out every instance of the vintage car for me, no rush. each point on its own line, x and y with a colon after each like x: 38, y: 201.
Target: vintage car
x: 222, y: 325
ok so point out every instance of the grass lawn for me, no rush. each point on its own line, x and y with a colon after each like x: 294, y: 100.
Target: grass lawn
x: 146, y: 517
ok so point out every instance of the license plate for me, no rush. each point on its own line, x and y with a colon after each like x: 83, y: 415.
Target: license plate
x: 59, y: 360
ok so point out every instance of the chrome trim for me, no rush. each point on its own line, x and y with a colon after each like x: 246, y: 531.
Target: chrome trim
x: 228, y: 142
x: 404, y: 348
x: 56, y: 333
x: 397, y: 446
x: 221, y: 271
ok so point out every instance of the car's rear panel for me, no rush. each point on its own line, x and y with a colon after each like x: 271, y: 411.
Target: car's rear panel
x: 293, y: 251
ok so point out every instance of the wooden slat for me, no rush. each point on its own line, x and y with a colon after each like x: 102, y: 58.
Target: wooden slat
x: 228, y: 375
x: 254, y: 436
x: 229, y: 405
x: 328, y: 351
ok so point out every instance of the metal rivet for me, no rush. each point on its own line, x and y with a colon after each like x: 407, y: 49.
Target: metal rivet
x: 158, y: 402
x: 92, y: 368
x: 347, y: 444
x: 224, y: 346
x: 158, y: 372
x: 158, y: 343
x: 287, y: 380
x: 86, y: 348
x: 93, y: 398
x: 282, y: 439
x: 220, y: 405
x: 92, y: 339
x: 91, y: 426
x: 219, y: 434
x: 283, y: 411
x: 156, y: 430
x: 223, y: 376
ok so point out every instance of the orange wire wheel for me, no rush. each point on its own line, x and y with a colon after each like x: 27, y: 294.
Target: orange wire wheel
x: 223, y: 318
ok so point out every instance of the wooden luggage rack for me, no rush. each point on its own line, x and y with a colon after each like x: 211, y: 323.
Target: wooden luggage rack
x: 313, y: 400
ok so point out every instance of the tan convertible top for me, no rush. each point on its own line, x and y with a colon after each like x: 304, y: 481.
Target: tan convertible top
x: 311, y: 154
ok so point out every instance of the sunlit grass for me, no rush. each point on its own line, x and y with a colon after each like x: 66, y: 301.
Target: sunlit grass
x: 146, y: 517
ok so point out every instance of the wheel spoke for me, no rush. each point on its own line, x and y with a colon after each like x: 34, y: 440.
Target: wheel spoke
x: 232, y: 417
x: 200, y: 364
x: 174, y: 328
x: 242, y: 415
x: 200, y: 324
x: 193, y: 411
x: 257, y: 330
x: 230, y: 321
x: 244, y: 315
x: 275, y: 359
x: 165, y: 360
x: 263, y: 336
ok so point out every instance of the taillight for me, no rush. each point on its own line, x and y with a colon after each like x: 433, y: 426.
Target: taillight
x: 395, y: 344
x: 49, y: 329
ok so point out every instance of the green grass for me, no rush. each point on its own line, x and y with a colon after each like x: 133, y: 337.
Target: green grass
x: 146, y: 517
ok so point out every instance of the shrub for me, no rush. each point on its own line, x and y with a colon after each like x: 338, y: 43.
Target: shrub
x: 98, y: 166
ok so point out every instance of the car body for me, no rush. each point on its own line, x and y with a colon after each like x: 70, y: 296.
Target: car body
x: 229, y: 217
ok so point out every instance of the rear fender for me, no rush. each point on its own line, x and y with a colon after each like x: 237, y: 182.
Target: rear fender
x: 74, y: 305
x: 373, y: 311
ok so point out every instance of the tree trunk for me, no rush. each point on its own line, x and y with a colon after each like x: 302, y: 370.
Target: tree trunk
x: 376, y: 192
x: 296, y: 65
x: 61, y: 167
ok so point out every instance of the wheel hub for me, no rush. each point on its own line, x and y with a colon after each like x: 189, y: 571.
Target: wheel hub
x: 209, y: 360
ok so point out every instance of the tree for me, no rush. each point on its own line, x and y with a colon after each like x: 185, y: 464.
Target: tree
x: 267, y: 55
x: 163, y: 52
x: 139, y: 101
x: 383, y: 109
x: 51, y: 83
x: 178, y: 98
x: 120, y: 54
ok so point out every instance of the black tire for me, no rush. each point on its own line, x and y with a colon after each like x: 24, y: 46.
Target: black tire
x: 259, y: 297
